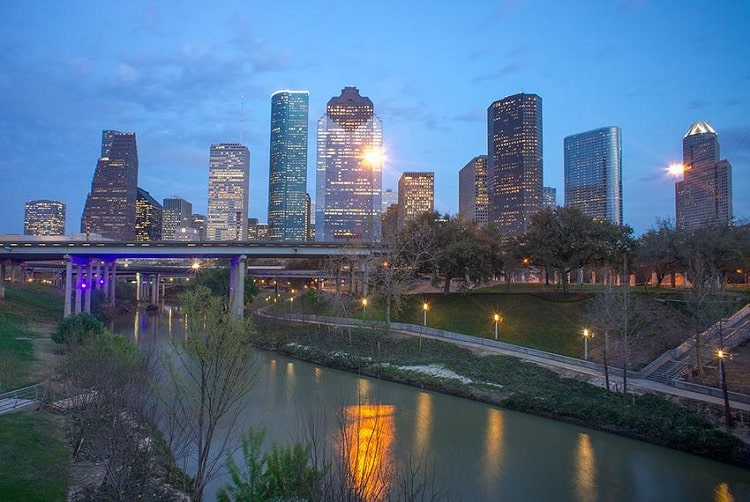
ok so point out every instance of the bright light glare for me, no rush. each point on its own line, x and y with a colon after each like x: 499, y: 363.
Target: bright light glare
x: 675, y: 170
x: 374, y: 156
x: 196, y: 265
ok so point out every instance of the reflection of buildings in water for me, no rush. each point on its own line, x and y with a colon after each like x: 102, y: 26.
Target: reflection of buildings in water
x: 423, y: 425
x: 493, y: 443
x: 585, y: 462
x: 363, y: 390
x: 317, y: 374
x: 368, y: 441
x: 722, y: 493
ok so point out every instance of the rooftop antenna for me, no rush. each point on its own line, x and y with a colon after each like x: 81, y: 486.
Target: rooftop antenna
x: 242, y: 116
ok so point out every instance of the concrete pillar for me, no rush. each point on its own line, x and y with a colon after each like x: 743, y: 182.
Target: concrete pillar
x: 138, y: 286
x: 154, y: 297
x: 68, y: 286
x: 98, y: 284
x: 237, y: 272
x: 112, y: 282
x: 89, y: 286
x: 78, y: 288
x: 105, y: 282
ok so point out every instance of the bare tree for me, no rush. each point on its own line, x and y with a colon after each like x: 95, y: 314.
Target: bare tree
x: 210, y: 374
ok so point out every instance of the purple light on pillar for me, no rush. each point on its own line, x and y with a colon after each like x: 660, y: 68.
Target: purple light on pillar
x: 83, y: 285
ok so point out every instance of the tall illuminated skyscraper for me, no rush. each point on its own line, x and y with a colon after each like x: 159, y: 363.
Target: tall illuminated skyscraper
x: 228, y: 192
x: 177, y: 214
x: 349, y: 170
x: 514, y: 162
x: 148, y: 217
x: 44, y: 217
x: 287, y: 179
x: 416, y: 195
x: 593, y: 173
x: 472, y: 191
x: 704, y: 196
x: 110, y: 206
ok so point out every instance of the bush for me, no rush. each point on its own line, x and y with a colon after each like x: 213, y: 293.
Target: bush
x: 76, y: 329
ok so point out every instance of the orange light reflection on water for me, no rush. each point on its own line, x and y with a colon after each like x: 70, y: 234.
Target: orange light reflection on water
x: 369, y: 439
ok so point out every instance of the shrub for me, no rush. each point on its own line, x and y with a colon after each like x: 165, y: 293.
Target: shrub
x: 76, y: 329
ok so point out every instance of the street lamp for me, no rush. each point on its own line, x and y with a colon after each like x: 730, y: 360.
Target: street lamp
x: 586, y: 335
x: 364, y: 308
x: 425, y: 308
x: 498, y: 319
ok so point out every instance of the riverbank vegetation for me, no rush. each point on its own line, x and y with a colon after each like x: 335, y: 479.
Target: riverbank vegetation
x: 503, y: 381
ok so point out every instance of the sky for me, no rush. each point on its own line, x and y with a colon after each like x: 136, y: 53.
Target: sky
x: 187, y: 74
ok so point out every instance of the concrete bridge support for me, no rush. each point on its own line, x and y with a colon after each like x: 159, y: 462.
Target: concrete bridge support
x: 88, y: 287
x: 2, y: 280
x: 237, y: 272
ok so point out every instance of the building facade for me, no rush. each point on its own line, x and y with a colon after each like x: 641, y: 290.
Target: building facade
x: 228, y: 192
x: 349, y: 170
x: 704, y: 195
x: 472, y: 191
x: 148, y: 217
x: 287, y: 179
x: 198, y: 222
x: 110, y: 205
x: 44, y: 217
x: 593, y: 173
x: 514, y: 162
x: 549, y: 198
x: 416, y: 195
x: 177, y: 214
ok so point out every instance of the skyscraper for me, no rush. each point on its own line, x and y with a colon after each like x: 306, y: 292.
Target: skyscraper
x: 228, y: 191
x: 514, y: 162
x: 110, y: 206
x: 177, y: 214
x: 549, y: 197
x: 472, y: 191
x: 593, y: 173
x: 287, y: 179
x: 416, y: 195
x: 44, y: 217
x: 704, y: 196
x: 349, y: 170
x: 148, y: 217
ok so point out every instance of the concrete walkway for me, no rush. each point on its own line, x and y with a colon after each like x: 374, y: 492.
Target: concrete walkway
x: 593, y: 372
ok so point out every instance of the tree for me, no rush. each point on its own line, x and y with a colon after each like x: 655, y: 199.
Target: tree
x: 210, y: 375
x: 217, y: 280
x: 658, y: 251
x: 76, y: 329
x: 565, y: 239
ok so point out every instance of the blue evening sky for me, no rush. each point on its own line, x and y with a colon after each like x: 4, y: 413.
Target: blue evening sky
x: 184, y: 75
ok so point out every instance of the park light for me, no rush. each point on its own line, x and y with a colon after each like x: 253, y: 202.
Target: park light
x: 364, y: 308
x: 723, y: 355
x: 425, y: 308
x: 196, y: 265
x: 586, y: 335
x: 498, y: 319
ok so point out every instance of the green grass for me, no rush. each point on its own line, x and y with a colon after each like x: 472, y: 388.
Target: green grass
x: 34, y: 461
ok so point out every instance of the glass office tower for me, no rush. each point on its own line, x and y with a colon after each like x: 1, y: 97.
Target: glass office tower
x: 287, y: 178
x: 228, y: 192
x: 44, y: 217
x: 472, y: 191
x: 349, y: 170
x: 593, y: 173
x: 514, y: 162
x: 704, y: 196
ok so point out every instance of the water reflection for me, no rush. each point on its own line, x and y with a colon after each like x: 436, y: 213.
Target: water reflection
x: 423, y: 425
x: 493, y: 443
x: 368, y: 441
x: 585, y: 462
x: 722, y: 493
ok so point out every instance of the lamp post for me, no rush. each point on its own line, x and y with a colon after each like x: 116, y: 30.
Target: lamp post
x: 364, y: 309
x: 586, y: 335
x: 497, y: 318
x: 425, y: 307
x: 722, y: 355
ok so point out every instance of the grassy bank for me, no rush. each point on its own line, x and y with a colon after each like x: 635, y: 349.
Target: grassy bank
x: 506, y: 382
x: 34, y: 456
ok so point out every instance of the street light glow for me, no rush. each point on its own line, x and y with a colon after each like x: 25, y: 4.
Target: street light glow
x: 373, y: 156
x: 675, y: 169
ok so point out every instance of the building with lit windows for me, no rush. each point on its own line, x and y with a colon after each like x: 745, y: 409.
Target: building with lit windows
x: 177, y: 214
x: 593, y: 173
x: 388, y: 199
x: 416, y: 195
x: 472, y: 191
x: 148, y: 217
x: 514, y: 162
x: 549, y: 198
x: 198, y: 222
x: 704, y: 195
x: 349, y: 170
x: 287, y: 178
x: 110, y: 205
x: 44, y: 217
x: 228, y: 192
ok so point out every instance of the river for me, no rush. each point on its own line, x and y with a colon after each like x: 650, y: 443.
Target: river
x: 476, y: 451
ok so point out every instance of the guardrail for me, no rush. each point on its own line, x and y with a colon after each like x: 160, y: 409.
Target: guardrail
x: 22, y: 397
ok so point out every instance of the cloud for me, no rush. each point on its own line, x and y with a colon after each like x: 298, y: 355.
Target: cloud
x: 697, y: 104
x: 504, y: 71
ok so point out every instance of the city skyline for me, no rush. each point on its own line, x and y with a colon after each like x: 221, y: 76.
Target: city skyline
x: 205, y: 76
